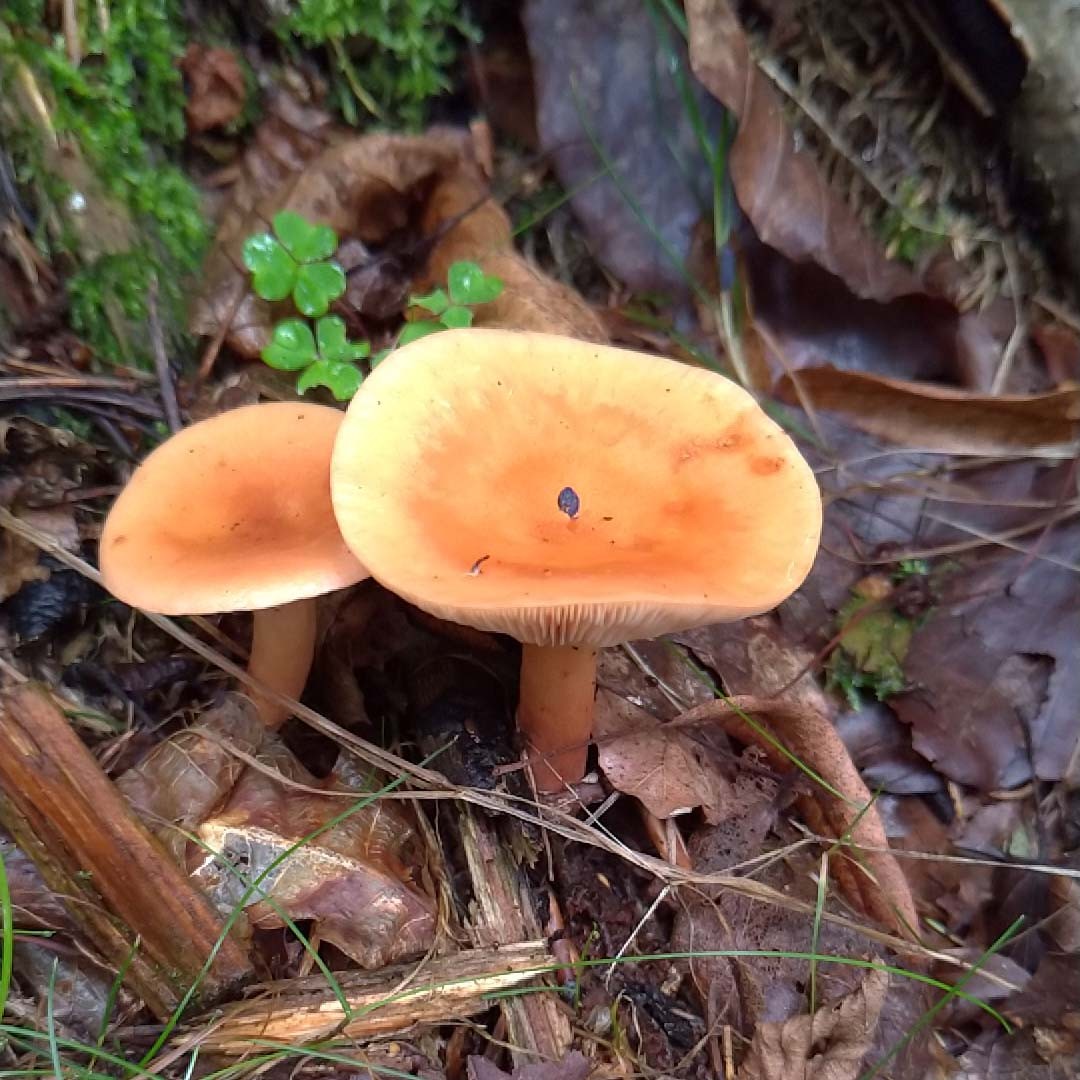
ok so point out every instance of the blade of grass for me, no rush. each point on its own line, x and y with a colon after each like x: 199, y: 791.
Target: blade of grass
x: 50, y: 1020
x: 815, y: 935
x: 7, y: 936
x: 953, y: 991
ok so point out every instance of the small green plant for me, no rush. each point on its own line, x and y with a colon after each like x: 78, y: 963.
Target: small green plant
x: 296, y: 260
x: 119, y: 112
x: 467, y: 286
x: 325, y: 358
x: 389, y: 58
x: 873, y: 644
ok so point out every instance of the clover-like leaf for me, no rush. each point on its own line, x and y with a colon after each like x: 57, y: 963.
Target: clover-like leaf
x: 468, y: 284
x: 305, y: 242
x: 291, y: 347
x: 317, y: 284
x: 456, y: 317
x: 333, y: 344
x: 380, y: 356
x: 273, y: 269
x: 415, y: 330
x: 342, y: 380
x: 436, y: 302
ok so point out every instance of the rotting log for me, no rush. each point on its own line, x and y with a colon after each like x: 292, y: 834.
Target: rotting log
x: 389, y: 1001
x: 133, y: 903
x: 536, y: 1024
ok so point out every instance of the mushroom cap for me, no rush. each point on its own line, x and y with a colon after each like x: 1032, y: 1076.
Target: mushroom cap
x: 570, y: 493
x: 231, y: 514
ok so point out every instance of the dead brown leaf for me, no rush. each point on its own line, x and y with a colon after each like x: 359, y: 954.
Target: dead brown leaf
x: 217, y: 92
x: 877, y: 884
x: 574, y: 1066
x: 663, y: 767
x: 352, y: 879
x: 830, y: 1045
x: 184, y: 779
x: 365, y: 188
x: 941, y: 418
x: 605, y: 79
x: 478, y: 229
x: 775, y: 182
x: 993, y: 668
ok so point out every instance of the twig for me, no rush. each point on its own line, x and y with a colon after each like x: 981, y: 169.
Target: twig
x: 161, y: 360
x: 303, y: 1010
x: 1019, y: 333
x: 206, y: 364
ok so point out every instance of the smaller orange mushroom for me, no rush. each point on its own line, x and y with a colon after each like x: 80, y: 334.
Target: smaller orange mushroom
x: 574, y: 496
x: 234, y: 514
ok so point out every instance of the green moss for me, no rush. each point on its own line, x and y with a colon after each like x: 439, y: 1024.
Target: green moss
x: 123, y: 108
x: 390, y: 56
x: 872, y: 649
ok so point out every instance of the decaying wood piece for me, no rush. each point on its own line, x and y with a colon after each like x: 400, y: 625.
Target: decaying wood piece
x: 536, y: 1025
x: 117, y: 882
x: 297, y: 1011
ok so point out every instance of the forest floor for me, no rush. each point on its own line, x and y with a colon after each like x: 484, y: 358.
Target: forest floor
x: 839, y: 840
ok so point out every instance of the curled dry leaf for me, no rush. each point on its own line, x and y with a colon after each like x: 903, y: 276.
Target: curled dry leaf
x: 829, y: 1045
x: 662, y: 766
x: 365, y: 188
x: 478, y: 229
x: 776, y: 183
x: 217, y: 91
x: 182, y: 780
x: 940, y: 418
x: 875, y: 884
x: 351, y: 879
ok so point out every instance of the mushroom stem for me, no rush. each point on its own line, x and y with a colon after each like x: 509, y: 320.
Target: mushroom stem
x: 282, y: 648
x: 555, y: 711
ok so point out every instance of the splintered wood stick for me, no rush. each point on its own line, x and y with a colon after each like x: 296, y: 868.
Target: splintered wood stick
x: 298, y: 1011
x: 120, y: 887
x: 536, y: 1024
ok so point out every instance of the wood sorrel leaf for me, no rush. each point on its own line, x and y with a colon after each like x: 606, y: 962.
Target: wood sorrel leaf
x: 342, y: 380
x: 292, y: 346
x: 468, y: 284
x: 413, y: 331
x: 305, y: 242
x: 457, y: 317
x: 317, y: 284
x: 273, y: 269
x: 333, y: 344
x: 436, y: 302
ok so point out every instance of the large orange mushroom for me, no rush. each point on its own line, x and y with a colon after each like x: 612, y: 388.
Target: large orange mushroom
x: 234, y: 514
x: 574, y: 496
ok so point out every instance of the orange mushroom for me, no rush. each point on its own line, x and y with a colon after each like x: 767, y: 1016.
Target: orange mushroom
x: 234, y: 514
x: 574, y: 496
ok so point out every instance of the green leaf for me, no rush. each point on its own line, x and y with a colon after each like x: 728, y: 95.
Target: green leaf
x: 436, y: 302
x: 305, y: 242
x: 379, y: 357
x: 317, y: 284
x: 415, y: 330
x: 468, y: 284
x: 342, y: 380
x: 273, y: 269
x: 333, y: 345
x: 457, y: 317
x: 291, y: 347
